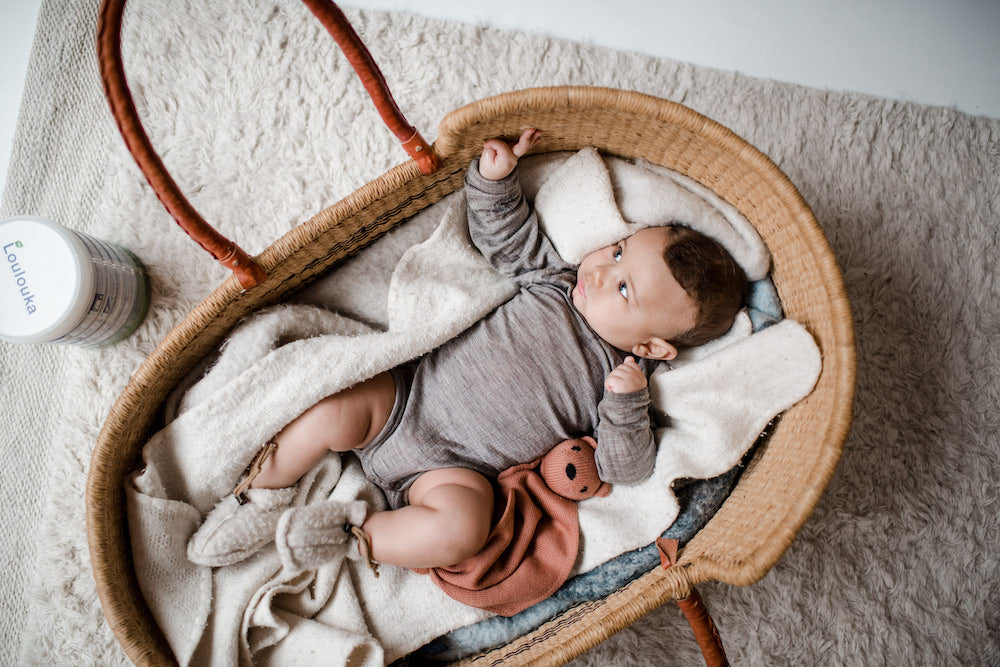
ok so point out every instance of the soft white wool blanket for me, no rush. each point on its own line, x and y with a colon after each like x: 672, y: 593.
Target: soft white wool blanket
x: 899, y: 563
x: 285, y: 359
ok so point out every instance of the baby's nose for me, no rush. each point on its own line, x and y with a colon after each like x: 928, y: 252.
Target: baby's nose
x: 599, y: 276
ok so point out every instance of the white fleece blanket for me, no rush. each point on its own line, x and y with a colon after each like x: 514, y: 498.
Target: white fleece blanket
x: 715, y: 401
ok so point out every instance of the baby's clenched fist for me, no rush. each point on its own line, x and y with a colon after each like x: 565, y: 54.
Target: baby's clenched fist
x: 626, y: 378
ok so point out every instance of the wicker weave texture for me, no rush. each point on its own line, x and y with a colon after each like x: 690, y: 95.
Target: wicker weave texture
x: 774, y: 496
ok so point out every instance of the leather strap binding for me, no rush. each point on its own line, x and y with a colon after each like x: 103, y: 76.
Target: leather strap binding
x: 247, y: 271
x: 706, y: 633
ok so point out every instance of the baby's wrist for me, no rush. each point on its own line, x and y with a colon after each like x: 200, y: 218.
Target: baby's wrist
x: 493, y: 172
x: 501, y: 188
x: 626, y: 395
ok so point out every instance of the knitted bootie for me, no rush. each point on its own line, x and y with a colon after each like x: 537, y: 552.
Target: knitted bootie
x: 233, y: 532
x: 311, y: 536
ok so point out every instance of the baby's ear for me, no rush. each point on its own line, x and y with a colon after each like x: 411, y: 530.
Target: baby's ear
x: 655, y: 348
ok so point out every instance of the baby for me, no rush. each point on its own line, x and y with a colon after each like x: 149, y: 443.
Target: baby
x: 568, y: 355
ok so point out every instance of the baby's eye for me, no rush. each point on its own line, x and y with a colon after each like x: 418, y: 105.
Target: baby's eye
x: 623, y: 289
x: 618, y: 254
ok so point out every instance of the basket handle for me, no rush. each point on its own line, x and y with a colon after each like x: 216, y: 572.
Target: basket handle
x: 705, y: 631
x: 247, y: 271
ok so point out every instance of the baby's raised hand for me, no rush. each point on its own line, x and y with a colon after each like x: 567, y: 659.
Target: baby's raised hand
x: 626, y: 378
x: 499, y: 158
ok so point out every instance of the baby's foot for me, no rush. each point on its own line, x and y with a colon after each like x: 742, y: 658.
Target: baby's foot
x: 314, y: 535
x: 233, y: 532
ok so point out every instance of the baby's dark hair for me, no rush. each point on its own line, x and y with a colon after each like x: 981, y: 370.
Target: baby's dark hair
x: 710, y: 275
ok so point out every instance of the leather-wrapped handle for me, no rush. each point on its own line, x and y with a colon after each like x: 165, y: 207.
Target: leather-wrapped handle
x: 705, y: 631
x: 371, y: 77
x: 247, y: 271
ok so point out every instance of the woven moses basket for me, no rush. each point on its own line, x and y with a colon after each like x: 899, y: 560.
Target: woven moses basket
x: 779, y: 487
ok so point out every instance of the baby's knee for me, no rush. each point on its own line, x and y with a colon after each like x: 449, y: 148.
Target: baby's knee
x: 464, y: 503
x: 462, y: 539
x: 467, y: 533
x: 467, y: 523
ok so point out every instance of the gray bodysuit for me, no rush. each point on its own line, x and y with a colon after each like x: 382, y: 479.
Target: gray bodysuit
x: 524, y: 378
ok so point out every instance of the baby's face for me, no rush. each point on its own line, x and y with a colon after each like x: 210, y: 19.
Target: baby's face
x: 628, y: 295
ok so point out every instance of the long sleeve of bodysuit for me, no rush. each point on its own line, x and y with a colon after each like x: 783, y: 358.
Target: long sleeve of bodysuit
x: 505, y: 228
x: 626, y: 450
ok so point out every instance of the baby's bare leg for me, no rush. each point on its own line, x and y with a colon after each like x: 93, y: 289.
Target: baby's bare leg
x: 448, y: 520
x: 344, y: 421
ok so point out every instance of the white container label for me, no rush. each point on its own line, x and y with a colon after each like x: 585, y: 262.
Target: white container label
x: 62, y: 286
x: 39, y: 281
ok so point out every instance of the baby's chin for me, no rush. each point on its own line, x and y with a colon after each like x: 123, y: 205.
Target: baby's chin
x: 578, y: 299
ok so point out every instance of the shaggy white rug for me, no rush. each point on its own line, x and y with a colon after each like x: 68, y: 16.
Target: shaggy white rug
x: 263, y: 124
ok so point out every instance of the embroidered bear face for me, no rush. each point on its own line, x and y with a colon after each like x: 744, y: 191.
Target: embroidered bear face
x: 570, y: 470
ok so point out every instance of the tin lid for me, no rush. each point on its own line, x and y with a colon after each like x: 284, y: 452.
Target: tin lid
x: 46, y: 280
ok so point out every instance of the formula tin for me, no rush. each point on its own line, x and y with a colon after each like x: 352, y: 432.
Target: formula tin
x: 58, y: 285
